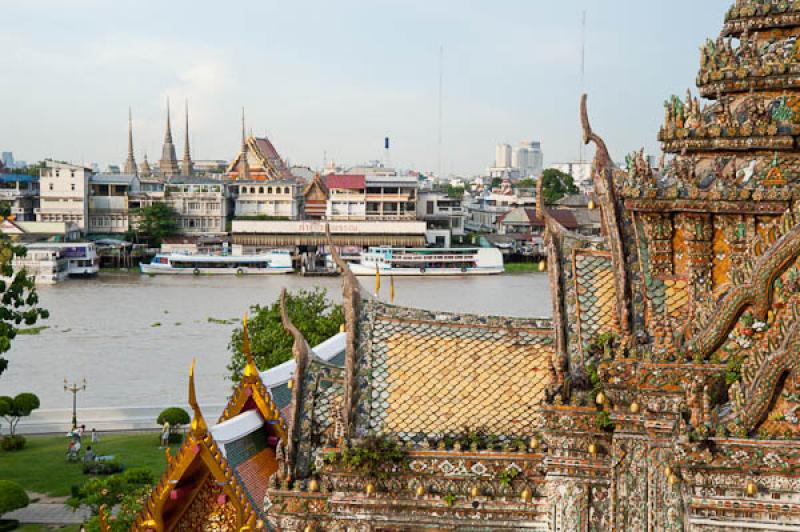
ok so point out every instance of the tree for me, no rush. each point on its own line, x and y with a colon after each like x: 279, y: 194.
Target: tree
x: 127, y: 491
x: 17, y: 293
x: 528, y: 182
x: 14, y: 409
x: 12, y: 497
x: 311, y: 311
x: 175, y: 417
x: 157, y: 221
x: 496, y: 182
x: 557, y: 184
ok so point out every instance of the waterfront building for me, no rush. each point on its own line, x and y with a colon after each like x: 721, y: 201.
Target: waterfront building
x: 315, y: 198
x: 168, y: 164
x: 443, y: 215
x: 274, y: 199
x: 201, y: 204
x: 347, y: 197
x: 661, y: 396
x: 264, y: 234
x: 391, y: 197
x: 62, y: 194
x: 109, y: 208
x: 30, y: 231
x: 485, y: 209
x: 21, y: 193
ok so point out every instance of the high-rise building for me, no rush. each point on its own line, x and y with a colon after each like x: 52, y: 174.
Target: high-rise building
x: 8, y: 159
x: 502, y: 156
x: 528, y: 158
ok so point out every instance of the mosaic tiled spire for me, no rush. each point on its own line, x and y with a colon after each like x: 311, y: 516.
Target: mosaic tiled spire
x: 188, y: 166
x: 168, y: 165
x: 130, y: 162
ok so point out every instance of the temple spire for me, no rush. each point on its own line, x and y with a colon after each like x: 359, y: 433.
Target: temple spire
x: 130, y: 162
x: 144, y: 168
x: 244, y: 167
x: 188, y: 166
x: 199, y: 426
x: 168, y: 165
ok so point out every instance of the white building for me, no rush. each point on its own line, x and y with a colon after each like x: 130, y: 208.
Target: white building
x: 270, y: 199
x: 444, y: 217
x: 347, y: 197
x: 63, y: 190
x: 528, y: 159
x: 202, y: 204
x: 109, y: 209
x: 391, y: 197
x: 502, y: 156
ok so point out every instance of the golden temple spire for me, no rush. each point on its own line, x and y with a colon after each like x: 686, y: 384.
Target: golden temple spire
x: 391, y: 289
x: 250, y: 368
x: 199, y: 426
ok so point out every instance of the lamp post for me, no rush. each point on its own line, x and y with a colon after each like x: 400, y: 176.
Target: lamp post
x: 74, y: 388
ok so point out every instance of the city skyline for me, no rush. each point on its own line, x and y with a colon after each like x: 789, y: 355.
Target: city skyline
x: 323, y: 91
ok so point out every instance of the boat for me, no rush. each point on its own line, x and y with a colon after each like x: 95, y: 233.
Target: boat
x: 429, y: 261
x: 272, y: 262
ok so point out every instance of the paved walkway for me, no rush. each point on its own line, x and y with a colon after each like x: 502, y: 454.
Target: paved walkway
x: 48, y: 513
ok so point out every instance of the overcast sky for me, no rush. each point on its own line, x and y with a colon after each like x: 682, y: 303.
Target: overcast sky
x: 336, y: 76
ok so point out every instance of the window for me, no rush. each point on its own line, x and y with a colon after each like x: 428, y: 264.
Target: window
x: 269, y: 190
x: 51, y: 186
x: 285, y: 190
x: 72, y: 186
x: 260, y: 190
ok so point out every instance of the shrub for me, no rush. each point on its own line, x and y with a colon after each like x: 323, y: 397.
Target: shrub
x: 12, y: 497
x: 175, y: 417
x: 175, y: 437
x: 101, y: 468
x: 13, y: 443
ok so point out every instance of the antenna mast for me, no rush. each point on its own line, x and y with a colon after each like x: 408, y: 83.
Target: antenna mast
x: 441, y: 91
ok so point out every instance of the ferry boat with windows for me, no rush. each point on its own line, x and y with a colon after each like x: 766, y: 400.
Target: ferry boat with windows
x: 273, y: 262
x: 429, y: 261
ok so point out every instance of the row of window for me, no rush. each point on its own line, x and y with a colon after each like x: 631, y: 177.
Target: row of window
x: 252, y: 190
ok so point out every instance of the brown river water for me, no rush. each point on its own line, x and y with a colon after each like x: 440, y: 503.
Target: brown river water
x: 104, y: 330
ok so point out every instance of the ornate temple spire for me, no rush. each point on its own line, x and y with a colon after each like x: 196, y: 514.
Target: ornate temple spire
x: 144, y: 168
x: 199, y: 426
x: 244, y: 167
x: 188, y: 166
x: 130, y: 162
x: 168, y: 165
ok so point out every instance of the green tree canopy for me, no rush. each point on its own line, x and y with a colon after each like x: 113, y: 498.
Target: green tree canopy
x: 12, y: 497
x: 312, y: 313
x: 156, y: 222
x: 17, y: 293
x: 175, y: 416
x: 496, y: 182
x: 528, y: 182
x: 557, y: 184
x: 12, y: 409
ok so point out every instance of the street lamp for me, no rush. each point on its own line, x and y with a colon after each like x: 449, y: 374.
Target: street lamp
x: 74, y: 388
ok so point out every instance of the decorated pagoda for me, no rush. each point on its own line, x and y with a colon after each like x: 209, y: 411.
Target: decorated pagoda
x: 664, y: 393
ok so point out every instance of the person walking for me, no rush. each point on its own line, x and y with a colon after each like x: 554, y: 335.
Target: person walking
x: 165, y: 435
x: 95, y: 436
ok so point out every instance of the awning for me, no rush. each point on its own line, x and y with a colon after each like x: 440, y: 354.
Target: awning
x: 321, y: 240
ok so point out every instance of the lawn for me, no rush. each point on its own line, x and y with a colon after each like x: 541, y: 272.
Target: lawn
x: 520, y: 267
x: 42, y: 466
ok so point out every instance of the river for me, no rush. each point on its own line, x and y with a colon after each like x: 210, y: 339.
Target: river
x: 132, y: 337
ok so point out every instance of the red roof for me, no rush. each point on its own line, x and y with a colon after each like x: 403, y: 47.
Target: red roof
x: 347, y: 181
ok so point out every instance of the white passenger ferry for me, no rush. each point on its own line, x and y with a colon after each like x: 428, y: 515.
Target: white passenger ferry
x: 429, y: 261
x: 266, y: 263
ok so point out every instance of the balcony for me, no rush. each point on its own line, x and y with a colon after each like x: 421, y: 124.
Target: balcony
x: 391, y: 216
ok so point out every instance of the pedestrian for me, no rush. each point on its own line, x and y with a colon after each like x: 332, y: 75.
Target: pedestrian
x: 165, y: 435
x: 95, y: 436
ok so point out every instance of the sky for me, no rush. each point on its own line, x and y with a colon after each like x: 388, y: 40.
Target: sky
x: 328, y: 80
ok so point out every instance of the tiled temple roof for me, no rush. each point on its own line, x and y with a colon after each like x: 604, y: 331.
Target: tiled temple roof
x: 425, y: 372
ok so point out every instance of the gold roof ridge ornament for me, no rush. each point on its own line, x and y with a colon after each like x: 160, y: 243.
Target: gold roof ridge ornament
x: 351, y: 299
x: 250, y: 368
x: 199, y: 426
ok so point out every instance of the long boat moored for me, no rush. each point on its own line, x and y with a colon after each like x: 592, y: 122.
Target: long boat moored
x: 274, y: 262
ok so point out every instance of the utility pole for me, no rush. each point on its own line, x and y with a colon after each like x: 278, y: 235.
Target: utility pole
x: 74, y: 388
x: 441, y: 91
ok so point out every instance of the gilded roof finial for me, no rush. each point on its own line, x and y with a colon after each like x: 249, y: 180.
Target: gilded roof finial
x: 250, y: 368
x: 199, y: 426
